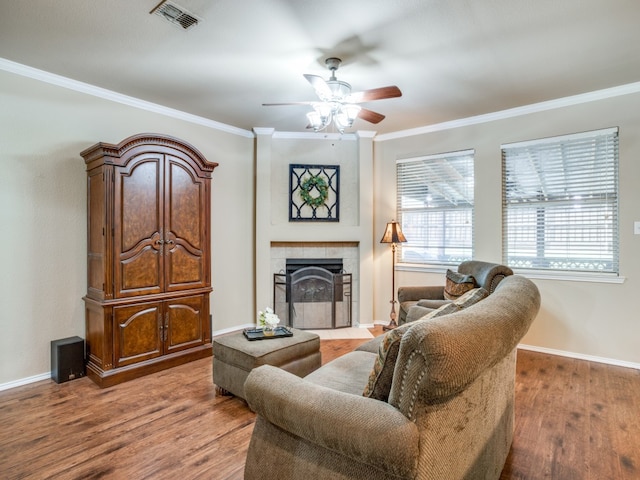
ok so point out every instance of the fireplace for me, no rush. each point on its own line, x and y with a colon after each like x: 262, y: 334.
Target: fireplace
x: 313, y: 293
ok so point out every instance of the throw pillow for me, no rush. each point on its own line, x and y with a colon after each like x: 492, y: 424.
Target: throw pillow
x: 471, y: 297
x: 457, y: 284
x: 382, y: 373
x: 381, y: 376
x: 432, y: 303
x: 416, y: 312
x: 445, y: 309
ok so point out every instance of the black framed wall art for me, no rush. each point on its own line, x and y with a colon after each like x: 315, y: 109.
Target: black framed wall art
x: 314, y: 193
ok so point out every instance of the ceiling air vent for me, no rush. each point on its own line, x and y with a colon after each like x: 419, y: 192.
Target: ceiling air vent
x: 175, y: 14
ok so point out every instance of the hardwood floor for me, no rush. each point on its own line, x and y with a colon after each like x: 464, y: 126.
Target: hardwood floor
x: 574, y: 420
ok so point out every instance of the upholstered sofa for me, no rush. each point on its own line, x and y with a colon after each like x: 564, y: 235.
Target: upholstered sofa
x: 440, y: 401
x: 486, y: 275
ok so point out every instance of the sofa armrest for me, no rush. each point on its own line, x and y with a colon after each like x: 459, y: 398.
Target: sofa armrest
x: 413, y: 294
x: 364, y: 429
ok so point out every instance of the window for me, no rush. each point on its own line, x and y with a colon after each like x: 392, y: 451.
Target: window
x: 560, y: 203
x: 435, y: 208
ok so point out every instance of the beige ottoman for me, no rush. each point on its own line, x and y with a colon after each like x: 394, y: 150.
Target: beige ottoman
x: 234, y: 357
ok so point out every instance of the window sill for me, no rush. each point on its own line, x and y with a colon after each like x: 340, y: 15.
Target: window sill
x: 423, y: 267
x: 531, y: 274
x: 571, y: 276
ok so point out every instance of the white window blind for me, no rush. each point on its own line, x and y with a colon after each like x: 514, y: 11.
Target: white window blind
x: 560, y: 203
x: 435, y: 208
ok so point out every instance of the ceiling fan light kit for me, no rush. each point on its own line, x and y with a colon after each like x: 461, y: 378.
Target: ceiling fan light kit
x: 338, y: 104
x: 343, y: 115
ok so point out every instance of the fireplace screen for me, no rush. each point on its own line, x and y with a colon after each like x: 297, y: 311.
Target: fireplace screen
x: 312, y: 296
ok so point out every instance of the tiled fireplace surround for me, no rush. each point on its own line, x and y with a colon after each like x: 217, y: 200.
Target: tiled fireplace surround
x: 347, y: 251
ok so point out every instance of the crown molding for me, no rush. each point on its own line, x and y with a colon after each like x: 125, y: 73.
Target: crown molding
x: 263, y: 131
x: 315, y: 135
x: 60, y: 81
x: 612, y: 92
x: 366, y: 133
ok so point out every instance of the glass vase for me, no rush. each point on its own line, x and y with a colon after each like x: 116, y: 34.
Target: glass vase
x: 269, y: 330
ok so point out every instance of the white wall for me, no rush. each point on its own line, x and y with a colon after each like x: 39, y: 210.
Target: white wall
x: 43, y: 128
x: 588, y: 319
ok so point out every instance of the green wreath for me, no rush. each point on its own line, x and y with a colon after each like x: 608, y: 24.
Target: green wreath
x: 311, y: 182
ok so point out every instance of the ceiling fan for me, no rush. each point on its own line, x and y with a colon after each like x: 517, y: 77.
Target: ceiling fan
x: 337, y: 102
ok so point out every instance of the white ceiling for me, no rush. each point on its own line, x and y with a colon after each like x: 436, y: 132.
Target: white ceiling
x: 452, y: 59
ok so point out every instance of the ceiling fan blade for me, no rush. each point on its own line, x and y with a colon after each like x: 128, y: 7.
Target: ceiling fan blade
x: 374, y: 94
x: 370, y: 116
x: 320, y: 85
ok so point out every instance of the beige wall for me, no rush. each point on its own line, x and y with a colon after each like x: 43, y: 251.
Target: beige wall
x: 43, y: 213
x: 588, y: 319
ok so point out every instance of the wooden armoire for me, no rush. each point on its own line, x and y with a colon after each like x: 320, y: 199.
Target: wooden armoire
x: 148, y: 257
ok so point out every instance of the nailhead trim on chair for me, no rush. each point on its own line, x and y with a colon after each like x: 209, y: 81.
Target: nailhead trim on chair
x: 414, y: 393
x: 404, y: 379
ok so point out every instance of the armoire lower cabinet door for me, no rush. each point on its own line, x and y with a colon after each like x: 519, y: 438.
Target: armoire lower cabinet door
x: 138, y: 331
x: 185, y: 323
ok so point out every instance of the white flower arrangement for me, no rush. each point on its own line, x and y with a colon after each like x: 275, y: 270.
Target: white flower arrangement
x: 268, y: 318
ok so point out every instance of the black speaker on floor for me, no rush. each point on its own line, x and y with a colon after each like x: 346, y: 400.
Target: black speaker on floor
x: 67, y: 359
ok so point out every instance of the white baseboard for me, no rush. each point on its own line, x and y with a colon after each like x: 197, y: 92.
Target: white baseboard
x: 253, y: 325
x: 368, y: 325
x: 580, y: 356
x: 25, y: 381
x: 224, y: 331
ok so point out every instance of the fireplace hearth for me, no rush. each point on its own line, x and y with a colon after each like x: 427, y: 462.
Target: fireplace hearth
x: 313, y: 293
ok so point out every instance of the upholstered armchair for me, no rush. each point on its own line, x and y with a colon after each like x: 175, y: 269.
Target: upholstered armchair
x: 473, y: 273
x: 441, y: 405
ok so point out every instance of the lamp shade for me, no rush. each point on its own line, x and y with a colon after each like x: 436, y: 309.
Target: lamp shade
x: 393, y: 233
